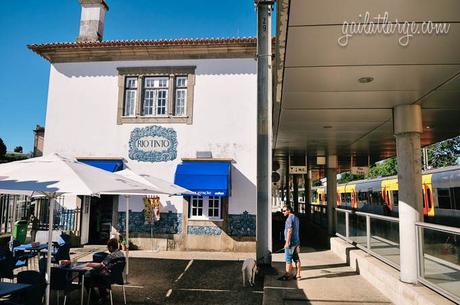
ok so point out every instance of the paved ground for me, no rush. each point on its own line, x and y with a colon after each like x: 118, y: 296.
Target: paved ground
x: 176, y: 278
x: 326, y: 280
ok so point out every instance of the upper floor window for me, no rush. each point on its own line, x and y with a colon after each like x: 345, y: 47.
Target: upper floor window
x: 156, y: 95
x: 130, y: 96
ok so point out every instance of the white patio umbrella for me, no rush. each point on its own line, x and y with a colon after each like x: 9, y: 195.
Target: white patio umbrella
x: 54, y: 175
x: 154, y: 182
x: 165, y: 186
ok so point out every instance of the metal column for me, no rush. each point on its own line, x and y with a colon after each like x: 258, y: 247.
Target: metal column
x: 264, y: 131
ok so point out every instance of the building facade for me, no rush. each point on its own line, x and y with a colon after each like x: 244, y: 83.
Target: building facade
x: 180, y: 110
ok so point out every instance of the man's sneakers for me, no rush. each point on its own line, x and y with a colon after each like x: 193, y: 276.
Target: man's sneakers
x: 286, y: 277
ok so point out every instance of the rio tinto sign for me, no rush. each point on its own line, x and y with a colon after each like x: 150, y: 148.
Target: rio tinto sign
x: 153, y: 144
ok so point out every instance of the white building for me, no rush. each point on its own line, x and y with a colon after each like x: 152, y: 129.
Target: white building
x: 180, y: 110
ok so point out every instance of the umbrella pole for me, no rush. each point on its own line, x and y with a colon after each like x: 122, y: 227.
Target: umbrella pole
x: 52, y: 201
x: 13, y: 220
x: 127, y: 237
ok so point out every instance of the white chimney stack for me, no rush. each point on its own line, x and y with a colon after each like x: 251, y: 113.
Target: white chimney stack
x: 92, y: 20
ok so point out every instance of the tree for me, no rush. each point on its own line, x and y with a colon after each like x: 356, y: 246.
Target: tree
x: 18, y: 149
x: 2, y: 148
x: 388, y: 167
x: 348, y: 176
x: 444, y: 153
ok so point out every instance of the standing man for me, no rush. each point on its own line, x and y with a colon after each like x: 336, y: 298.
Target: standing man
x: 292, y: 244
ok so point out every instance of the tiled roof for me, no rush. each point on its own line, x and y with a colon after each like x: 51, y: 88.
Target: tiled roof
x: 146, y: 49
x: 148, y: 43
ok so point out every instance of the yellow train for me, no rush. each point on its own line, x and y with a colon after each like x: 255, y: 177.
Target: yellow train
x: 440, y: 189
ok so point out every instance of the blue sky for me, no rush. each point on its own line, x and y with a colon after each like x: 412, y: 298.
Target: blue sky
x: 24, y: 75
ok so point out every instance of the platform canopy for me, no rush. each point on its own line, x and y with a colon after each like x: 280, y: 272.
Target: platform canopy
x: 334, y: 96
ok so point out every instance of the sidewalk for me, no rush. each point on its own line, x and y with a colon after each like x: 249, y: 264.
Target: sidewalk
x: 326, y: 280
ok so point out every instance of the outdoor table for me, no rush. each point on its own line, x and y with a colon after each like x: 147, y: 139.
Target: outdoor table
x: 28, y: 247
x: 9, y: 288
x: 81, y: 269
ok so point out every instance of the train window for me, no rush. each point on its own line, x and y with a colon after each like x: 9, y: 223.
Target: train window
x: 342, y: 197
x: 456, y: 191
x: 428, y: 197
x: 348, y: 197
x: 362, y: 196
x: 395, y: 198
x: 444, y: 201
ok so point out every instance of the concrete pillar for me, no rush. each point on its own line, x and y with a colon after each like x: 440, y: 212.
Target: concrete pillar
x: 287, y: 187
x: 264, y: 132
x: 307, y: 187
x: 331, y: 175
x: 407, y: 120
x: 295, y: 193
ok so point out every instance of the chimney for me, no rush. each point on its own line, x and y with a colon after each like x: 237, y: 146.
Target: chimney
x: 92, y: 20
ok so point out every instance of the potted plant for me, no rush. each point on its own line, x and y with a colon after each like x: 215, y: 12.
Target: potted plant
x: 123, y: 243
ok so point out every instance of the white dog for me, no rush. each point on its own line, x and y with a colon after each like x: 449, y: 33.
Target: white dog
x: 249, y: 271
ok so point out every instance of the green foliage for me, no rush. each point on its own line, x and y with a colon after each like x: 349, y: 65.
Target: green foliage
x: 10, y: 157
x: 388, y: 167
x: 348, y: 176
x: 444, y: 153
x: 316, y: 183
x: 2, y: 148
x: 18, y: 149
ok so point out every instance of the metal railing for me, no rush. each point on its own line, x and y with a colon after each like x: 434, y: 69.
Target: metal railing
x: 438, y: 247
x: 375, y: 234
x: 438, y: 258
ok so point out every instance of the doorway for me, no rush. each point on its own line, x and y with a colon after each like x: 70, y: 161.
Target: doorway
x: 100, y: 222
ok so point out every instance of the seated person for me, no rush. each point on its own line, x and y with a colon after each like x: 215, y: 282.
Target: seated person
x: 99, y: 276
x: 63, y: 248
x: 7, y: 261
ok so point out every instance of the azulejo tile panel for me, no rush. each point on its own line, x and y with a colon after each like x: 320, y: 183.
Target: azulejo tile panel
x: 242, y: 224
x: 204, y: 230
x: 153, y: 144
x: 169, y: 223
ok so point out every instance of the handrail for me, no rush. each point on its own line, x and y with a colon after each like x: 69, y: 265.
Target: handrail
x: 344, y: 210
x: 388, y: 218
x: 437, y: 227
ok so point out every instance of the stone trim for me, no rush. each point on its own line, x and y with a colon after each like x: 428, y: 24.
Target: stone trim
x: 141, y: 73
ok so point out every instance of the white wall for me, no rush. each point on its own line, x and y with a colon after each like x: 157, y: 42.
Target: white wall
x: 82, y: 113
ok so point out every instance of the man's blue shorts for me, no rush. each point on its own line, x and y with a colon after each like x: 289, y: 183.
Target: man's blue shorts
x: 291, y: 254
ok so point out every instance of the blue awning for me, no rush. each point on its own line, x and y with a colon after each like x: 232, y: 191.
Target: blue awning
x: 204, y: 178
x: 105, y: 164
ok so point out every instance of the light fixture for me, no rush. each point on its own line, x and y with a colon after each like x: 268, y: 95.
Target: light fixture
x: 428, y: 127
x: 365, y: 80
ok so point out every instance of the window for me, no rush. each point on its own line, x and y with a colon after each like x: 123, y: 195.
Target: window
x: 196, y: 206
x: 129, y: 108
x: 156, y: 95
x: 205, y: 207
x: 181, y: 96
x: 444, y: 199
x: 214, y: 207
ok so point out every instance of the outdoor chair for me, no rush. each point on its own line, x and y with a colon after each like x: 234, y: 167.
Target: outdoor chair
x: 116, y: 278
x: 98, y: 257
x: 61, y: 280
x: 34, y: 294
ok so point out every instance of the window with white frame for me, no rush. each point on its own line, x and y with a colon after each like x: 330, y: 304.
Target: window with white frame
x: 196, y: 207
x: 181, y: 96
x: 129, y: 108
x: 156, y: 94
x: 205, y: 207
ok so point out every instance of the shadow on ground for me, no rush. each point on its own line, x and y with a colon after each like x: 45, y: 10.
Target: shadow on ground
x: 181, y: 282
